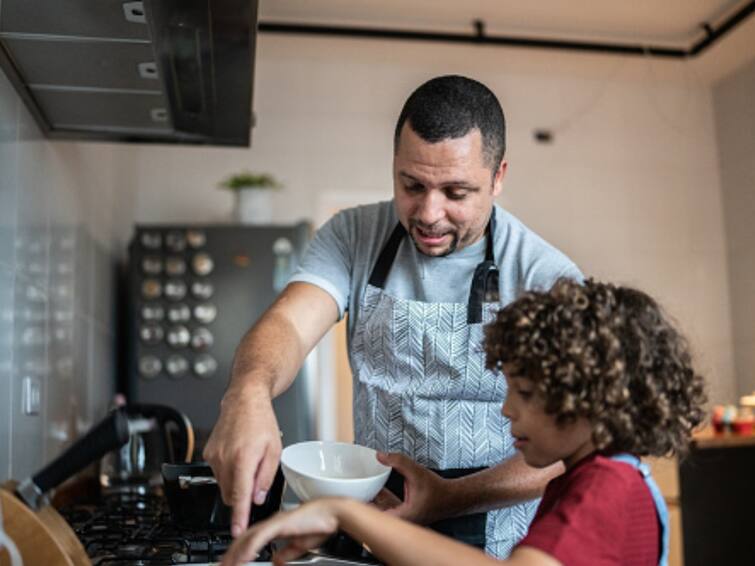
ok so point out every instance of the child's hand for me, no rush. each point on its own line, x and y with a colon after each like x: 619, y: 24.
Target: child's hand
x: 425, y: 492
x: 305, y: 528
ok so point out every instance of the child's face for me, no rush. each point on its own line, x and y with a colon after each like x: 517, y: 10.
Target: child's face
x: 536, y: 434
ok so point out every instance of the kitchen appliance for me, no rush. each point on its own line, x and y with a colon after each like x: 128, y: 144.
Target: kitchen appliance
x: 41, y: 535
x: 136, y: 528
x: 193, y: 292
x: 137, y: 464
x: 167, y: 71
x: 195, y: 502
x: 129, y: 528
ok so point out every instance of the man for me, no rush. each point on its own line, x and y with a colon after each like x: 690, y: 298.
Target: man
x: 419, y: 276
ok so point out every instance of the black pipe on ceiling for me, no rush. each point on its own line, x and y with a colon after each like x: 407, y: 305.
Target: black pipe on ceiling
x: 479, y: 37
x: 729, y: 24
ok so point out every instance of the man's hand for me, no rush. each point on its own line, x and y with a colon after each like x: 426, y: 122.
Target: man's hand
x: 305, y: 528
x: 425, y: 492
x: 245, y: 445
x: 243, y: 451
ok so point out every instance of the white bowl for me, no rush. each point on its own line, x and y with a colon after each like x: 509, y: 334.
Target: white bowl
x: 333, y: 469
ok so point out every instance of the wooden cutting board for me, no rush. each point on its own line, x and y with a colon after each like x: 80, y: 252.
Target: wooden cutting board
x: 42, y: 537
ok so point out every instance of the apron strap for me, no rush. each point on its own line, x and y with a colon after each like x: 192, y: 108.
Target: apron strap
x: 387, y: 255
x: 485, y: 282
x: 660, y: 504
x: 485, y: 286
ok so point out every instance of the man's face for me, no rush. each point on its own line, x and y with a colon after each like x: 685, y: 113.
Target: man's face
x: 443, y: 191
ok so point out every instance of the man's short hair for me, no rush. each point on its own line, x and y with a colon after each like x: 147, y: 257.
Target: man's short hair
x: 449, y: 107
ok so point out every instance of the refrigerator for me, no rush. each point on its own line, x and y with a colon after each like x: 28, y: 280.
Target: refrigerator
x: 193, y: 292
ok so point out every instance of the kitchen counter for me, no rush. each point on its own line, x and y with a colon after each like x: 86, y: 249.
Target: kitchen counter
x: 707, y: 438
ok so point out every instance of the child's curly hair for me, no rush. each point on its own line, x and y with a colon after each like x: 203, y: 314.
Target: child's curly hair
x: 605, y: 353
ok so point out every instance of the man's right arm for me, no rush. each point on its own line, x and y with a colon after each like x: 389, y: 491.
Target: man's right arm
x: 244, y: 447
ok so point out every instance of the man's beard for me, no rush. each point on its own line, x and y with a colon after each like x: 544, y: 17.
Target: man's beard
x: 413, y: 224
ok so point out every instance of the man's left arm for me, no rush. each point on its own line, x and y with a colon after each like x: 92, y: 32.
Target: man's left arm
x: 429, y: 497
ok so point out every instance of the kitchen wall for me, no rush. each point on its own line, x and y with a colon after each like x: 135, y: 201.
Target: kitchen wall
x: 734, y: 101
x: 629, y: 187
x: 60, y: 236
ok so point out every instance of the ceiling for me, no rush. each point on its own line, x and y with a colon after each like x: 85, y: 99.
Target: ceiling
x: 667, y: 22
x: 664, y: 23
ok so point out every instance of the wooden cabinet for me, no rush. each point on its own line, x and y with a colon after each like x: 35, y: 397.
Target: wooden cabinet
x: 666, y: 474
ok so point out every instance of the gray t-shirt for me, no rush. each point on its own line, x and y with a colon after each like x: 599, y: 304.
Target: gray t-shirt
x: 342, y: 254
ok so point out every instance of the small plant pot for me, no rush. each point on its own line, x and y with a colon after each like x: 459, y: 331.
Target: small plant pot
x: 254, y: 206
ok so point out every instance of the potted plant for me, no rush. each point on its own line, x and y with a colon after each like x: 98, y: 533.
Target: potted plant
x: 253, y: 196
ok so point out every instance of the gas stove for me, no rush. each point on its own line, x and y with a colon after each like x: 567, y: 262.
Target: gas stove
x: 136, y: 529
x: 131, y: 528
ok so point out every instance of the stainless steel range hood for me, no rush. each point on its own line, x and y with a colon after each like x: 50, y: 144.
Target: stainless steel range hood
x: 166, y: 71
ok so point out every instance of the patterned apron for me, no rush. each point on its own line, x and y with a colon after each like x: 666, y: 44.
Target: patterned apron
x: 421, y: 388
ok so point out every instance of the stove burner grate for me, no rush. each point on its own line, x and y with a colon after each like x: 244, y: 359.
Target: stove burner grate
x: 133, y: 529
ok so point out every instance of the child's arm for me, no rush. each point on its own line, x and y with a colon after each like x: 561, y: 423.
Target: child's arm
x: 392, y: 540
x: 429, y: 498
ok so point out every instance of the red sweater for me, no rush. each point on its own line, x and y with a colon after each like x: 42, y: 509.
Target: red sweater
x: 598, y: 513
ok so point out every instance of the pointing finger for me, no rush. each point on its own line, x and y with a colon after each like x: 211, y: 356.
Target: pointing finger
x: 241, y: 496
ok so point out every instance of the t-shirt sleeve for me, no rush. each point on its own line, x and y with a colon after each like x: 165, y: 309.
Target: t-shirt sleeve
x: 585, y: 526
x: 328, y: 260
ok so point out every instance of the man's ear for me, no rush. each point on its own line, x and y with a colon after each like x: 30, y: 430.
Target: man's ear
x: 498, y: 178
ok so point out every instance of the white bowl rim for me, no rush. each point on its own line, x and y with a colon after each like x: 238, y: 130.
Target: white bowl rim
x: 327, y: 479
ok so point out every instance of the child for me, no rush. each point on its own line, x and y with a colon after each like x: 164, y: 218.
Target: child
x: 597, y: 376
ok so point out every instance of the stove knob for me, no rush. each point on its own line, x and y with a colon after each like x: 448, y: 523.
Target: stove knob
x: 202, y: 290
x: 151, y: 333
x: 151, y: 240
x: 202, y: 264
x: 201, y: 338
x: 175, y: 266
x: 175, y: 241
x: 196, y: 238
x: 179, y: 313
x: 151, y: 289
x: 177, y: 366
x: 205, y: 313
x: 205, y: 366
x: 150, y: 367
x: 152, y: 312
x: 178, y: 336
x: 175, y: 289
x: 152, y: 265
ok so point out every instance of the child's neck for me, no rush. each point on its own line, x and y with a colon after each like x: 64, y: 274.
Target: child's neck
x: 580, y: 454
